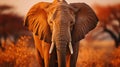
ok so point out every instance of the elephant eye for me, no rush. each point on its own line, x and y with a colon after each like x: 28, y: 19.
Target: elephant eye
x: 50, y: 22
x: 71, y: 23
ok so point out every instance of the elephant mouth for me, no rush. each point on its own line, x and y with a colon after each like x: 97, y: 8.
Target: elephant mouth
x: 53, y: 45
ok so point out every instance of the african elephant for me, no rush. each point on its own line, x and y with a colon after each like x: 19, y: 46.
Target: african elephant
x: 57, y: 29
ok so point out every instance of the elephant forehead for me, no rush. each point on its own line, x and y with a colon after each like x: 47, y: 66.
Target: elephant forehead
x: 60, y: 7
x: 61, y: 15
x: 61, y: 12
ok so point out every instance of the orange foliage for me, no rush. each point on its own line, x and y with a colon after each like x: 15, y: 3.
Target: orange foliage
x: 18, y: 55
x: 116, y: 59
x: 91, y: 54
x: 108, y: 13
x: 98, y: 54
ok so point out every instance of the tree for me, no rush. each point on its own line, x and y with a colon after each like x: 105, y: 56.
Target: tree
x: 109, y: 21
x: 10, y: 24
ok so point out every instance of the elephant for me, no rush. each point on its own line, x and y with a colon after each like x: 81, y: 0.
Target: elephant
x: 57, y: 28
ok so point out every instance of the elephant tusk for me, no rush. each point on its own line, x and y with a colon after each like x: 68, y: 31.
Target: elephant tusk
x: 70, y: 47
x: 51, y: 48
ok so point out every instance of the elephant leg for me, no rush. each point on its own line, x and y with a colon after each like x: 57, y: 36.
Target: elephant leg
x: 68, y: 60
x: 39, y: 51
x: 39, y: 58
x: 46, y: 47
x: 74, y: 56
x: 53, y: 59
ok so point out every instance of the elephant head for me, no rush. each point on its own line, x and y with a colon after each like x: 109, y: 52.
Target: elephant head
x: 60, y: 24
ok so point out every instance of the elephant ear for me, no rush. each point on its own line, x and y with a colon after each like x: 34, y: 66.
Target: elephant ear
x: 36, y: 21
x: 85, y: 21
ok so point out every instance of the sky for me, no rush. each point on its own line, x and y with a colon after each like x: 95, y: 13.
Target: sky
x: 22, y: 6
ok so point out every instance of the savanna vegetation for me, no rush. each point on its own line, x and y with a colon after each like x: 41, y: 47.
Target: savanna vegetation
x: 96, y: 50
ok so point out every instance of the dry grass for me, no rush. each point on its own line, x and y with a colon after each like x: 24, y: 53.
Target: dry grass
x: 98, y: 54
x: 91, y: 54
x: 19, y: 55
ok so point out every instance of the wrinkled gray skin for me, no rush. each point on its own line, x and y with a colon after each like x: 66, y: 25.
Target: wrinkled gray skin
x: 59, y: 23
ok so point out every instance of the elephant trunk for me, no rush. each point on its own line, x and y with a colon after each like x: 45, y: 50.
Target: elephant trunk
x: 63, y: 34
x: 61, y: 38
x: 61, y: 53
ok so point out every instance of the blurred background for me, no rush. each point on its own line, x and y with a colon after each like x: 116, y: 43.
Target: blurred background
x: 100, y: 47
